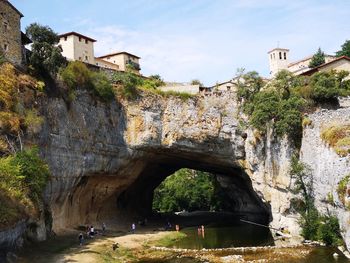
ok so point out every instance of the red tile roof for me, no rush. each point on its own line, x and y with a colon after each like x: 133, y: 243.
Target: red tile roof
x: 118, y: 53
x: 78, y: 35
x: 313, y: 70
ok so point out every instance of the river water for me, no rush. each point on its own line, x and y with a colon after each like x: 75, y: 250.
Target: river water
x: 244, y: 235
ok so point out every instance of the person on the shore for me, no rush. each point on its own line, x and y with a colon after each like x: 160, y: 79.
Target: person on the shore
x: 92, y: 232
x: 133, y: 228
x: 177, y: 228
x: 81, y: 239
x: 103, y: 228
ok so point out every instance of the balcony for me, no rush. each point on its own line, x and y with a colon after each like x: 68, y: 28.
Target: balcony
x: 133, y: 65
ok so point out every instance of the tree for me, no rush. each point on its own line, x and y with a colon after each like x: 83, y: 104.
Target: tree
x: 46, y: 55
x: 345, y: 49
x: 196, y: 82
x: 317, y: 59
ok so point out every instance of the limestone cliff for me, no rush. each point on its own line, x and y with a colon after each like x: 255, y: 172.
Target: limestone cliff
x: 327, y: 167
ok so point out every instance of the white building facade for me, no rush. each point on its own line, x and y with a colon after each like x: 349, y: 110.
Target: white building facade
x: 77, y: 47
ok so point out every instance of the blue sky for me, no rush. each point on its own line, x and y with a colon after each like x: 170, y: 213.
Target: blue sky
x: 205, y: 39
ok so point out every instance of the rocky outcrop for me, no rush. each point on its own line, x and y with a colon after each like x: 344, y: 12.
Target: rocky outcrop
x: 327, y: 167
x: 106, y: 159
x: 11, y: 239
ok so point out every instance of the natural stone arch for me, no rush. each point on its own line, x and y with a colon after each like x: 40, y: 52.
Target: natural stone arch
x: 97, y: 151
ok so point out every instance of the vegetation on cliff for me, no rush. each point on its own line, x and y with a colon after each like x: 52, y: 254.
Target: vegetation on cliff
x: 23, y: 177
x: 23, y: 174
x: 129, y: 86
x: 338, y: 137
x: 283, y: 101
x: 45, y: 56
x: 341, y: 190
x: 76, y: 75
x: 315, y: 226
x: 188, y: 190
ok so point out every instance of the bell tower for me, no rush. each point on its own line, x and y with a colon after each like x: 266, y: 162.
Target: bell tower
x: 278, y: 60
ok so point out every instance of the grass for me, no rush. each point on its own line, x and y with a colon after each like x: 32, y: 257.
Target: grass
x: 182, y: 95
x: 338, y: 137
x: 168, y: 240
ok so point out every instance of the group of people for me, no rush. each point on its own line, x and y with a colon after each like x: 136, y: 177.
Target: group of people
x: 90, y: 232
x: 200, y: 230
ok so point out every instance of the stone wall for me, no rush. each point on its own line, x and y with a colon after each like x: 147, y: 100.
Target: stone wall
x: 10, y: 35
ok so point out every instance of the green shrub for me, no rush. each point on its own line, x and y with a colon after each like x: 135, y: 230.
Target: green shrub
x: 306, y: 122
x: 33, y: 120
x: 329, y: 85
x: 102, y: 86
x: 34, y: 170
x: 23, y: 177
x: 77, y: 75
x: 329, y: 231
x: 341, y: 189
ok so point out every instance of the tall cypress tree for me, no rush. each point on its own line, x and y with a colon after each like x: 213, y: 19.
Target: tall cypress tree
x: 317, y: 59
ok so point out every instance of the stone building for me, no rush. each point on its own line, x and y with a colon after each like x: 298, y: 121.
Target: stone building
x: 337, y: 64
x: 279, y: 60
x: 77, y: 47
x: 122, y: 60
x: 12, y: 40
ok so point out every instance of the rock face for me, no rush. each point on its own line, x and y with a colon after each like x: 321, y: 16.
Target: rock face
x: 106, y: 159
x: 11, y: 239
x: 327, y: 167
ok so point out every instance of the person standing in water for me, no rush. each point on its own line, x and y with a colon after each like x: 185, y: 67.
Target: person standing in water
x: 133, y: 228
x: 202, y: 228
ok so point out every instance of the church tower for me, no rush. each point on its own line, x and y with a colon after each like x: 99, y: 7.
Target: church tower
x: 278, y: 60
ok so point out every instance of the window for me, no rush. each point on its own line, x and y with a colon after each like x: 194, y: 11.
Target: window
x: 285, y: 55
x: 86, y: 58
x: 280, y: 55
x: 86, y: 41
x: 274, y: 56
x: 6, y: 25
x: 79, y: 39
x: 271, y: 56
x: 65, y: 38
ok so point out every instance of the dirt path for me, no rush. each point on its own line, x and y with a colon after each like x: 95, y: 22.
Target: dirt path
x: 94, y: 251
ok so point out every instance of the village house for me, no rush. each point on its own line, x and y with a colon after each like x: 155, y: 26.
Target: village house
x: 121, y: 61
x: 77, y: 47
x: 279, y: 60
x: 12, y: 40
x: 338, y: 64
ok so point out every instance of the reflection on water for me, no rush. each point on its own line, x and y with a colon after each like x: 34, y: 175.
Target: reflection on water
x: 241, y: 235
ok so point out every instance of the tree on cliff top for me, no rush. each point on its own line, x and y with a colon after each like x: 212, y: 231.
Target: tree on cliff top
x: 46, y: 56
x: 345, y: 49
x: 317, y: 59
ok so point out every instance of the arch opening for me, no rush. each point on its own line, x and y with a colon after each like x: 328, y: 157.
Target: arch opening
x: 128, y: 195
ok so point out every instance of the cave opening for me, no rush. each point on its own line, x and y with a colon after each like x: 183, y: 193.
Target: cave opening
x: 194, y: 186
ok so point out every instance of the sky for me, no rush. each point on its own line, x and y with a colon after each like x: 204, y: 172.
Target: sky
x: 207, y: 40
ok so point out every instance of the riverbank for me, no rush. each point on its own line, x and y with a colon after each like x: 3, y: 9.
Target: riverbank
x: 144, y: 246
